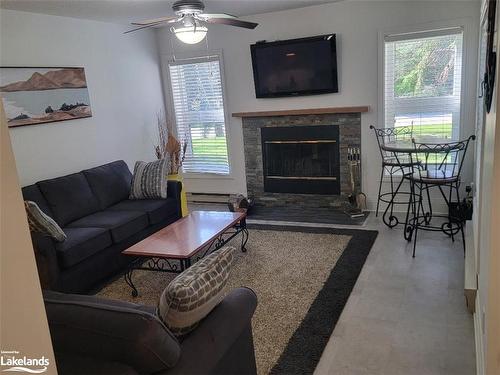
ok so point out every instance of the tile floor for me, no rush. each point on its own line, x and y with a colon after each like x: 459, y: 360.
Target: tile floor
x: 405, y: 316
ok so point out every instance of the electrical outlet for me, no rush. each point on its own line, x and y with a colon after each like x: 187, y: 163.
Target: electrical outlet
x: 472, y: 186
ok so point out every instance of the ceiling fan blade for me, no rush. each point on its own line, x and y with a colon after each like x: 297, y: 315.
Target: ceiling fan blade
x: 143, y: 27
x: 219, y: 15
x: 232, y: 22
x: 156, y: 20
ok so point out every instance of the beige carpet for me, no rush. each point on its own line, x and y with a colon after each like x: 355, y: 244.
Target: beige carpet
x: 285, y: 269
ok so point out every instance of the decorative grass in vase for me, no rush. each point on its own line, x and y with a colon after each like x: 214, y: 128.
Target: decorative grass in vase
x: 168, y: 146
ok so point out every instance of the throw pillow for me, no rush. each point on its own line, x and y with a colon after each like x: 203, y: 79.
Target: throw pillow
x: 195, y: 292
x: 150, y: 180
x: 40, y: 222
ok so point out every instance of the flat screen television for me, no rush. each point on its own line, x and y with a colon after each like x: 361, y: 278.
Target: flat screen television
x: 304, y: 66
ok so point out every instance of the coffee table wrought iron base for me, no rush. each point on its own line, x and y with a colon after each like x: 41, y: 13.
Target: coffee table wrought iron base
x: 173, y: 265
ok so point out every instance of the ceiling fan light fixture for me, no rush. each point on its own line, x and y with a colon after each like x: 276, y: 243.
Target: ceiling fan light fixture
x: 190, y: 34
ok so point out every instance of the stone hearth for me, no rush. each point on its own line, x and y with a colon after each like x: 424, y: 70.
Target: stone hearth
x: 349, y: 130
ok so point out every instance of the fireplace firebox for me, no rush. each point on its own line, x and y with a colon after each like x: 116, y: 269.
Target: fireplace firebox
x: 301, y: 159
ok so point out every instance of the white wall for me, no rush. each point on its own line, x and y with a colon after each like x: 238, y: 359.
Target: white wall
x: 124, y: 84
x: 486, y: 220
x: 357, y: 24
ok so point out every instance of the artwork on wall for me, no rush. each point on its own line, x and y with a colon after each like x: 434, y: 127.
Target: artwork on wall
x: 491, y: 56
x: 33, y: 96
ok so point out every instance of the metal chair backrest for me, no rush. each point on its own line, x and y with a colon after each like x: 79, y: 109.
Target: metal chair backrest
x: 386, y: 136
x: 440, y: 161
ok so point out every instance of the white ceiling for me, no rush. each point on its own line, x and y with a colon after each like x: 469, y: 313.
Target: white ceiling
x: 125, y: 11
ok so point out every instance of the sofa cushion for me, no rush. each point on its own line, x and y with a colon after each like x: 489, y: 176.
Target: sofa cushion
x: 69, y: 197
x: 157, y: 209
x: 150, y: 180
x: 110, y: 182
x: 122, y: 224
x: 40, y: 222
x: 81, y: 243
x: 33, y: 193
x: 195, y: 292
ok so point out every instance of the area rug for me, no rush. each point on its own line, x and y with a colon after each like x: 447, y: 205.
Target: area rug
x: 302, y: 278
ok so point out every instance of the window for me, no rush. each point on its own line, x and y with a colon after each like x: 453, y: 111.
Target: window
x: 422, y: 83
x: 199, y: 113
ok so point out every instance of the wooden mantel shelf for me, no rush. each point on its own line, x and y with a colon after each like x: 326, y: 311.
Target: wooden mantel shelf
x: 310, y: 111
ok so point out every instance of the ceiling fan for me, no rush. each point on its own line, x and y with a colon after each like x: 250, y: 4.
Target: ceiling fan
x: 189, y: 21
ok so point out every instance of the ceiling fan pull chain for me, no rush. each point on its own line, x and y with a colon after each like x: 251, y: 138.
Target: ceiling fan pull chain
x: 210, y: 72
x: 206, y: 43
x: 172, y: 45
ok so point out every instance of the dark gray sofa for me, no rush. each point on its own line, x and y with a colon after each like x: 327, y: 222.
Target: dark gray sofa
x: 97, y: 336
x: 93, y: 209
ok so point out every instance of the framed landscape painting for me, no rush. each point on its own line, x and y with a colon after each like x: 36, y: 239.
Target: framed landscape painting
x: 33, y: 96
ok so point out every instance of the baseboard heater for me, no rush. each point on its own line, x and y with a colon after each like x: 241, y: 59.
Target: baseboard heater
x: 207, y: 198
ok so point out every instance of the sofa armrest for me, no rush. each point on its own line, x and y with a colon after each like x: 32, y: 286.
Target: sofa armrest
x: 204, y: 350
x: 46, y: 260
x: 174, y: 189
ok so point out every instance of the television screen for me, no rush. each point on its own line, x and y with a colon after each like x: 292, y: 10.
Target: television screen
x: 303, y: 66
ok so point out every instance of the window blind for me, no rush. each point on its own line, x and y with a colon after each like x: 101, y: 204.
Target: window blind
x: 199, y: 115
x: 422, y: 83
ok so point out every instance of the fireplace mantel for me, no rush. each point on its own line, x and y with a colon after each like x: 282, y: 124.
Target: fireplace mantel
x: 309, y: 111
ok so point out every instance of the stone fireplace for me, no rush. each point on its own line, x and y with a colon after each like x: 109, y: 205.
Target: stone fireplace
x: 300, y: 159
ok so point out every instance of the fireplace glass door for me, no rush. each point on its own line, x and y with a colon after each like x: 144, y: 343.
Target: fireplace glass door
x: 301, y: 159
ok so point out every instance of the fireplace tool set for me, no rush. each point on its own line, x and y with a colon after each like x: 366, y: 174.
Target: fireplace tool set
x: 356, y: 199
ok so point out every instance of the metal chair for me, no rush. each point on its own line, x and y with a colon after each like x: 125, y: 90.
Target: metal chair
x: 434, y: 165
x: 390, y: 164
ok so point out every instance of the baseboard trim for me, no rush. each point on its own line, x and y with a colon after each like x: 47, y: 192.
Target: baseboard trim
x: 470, y: 277
x: 478, y: 337
x: 207, y: 198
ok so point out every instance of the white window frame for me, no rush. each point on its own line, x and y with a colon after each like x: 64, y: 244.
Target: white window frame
x: 167, y: 60
x: 425, y: 29
x: 407, y: 105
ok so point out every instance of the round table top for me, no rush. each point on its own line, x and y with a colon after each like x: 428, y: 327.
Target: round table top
x: 399, y: 146
x: 408, y: 146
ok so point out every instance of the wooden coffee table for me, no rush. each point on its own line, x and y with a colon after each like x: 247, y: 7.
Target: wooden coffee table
x: 173, y: 248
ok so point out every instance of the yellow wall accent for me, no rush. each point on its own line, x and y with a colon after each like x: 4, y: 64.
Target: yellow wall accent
x: 184, y: 205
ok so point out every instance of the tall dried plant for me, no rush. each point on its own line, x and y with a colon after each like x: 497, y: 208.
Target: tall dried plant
x: 168, y: 145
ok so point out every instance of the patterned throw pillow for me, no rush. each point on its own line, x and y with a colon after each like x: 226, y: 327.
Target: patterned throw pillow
x: 42, y: 223
x: 150, y: 180
x: 195, y: 292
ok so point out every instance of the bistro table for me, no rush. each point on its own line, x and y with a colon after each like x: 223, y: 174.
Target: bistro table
x: 405, y: 152
x: 427, y: 165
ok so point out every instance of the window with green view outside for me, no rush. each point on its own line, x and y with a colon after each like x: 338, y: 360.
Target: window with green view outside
x: 422, y: 83
x: 199, y: 113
